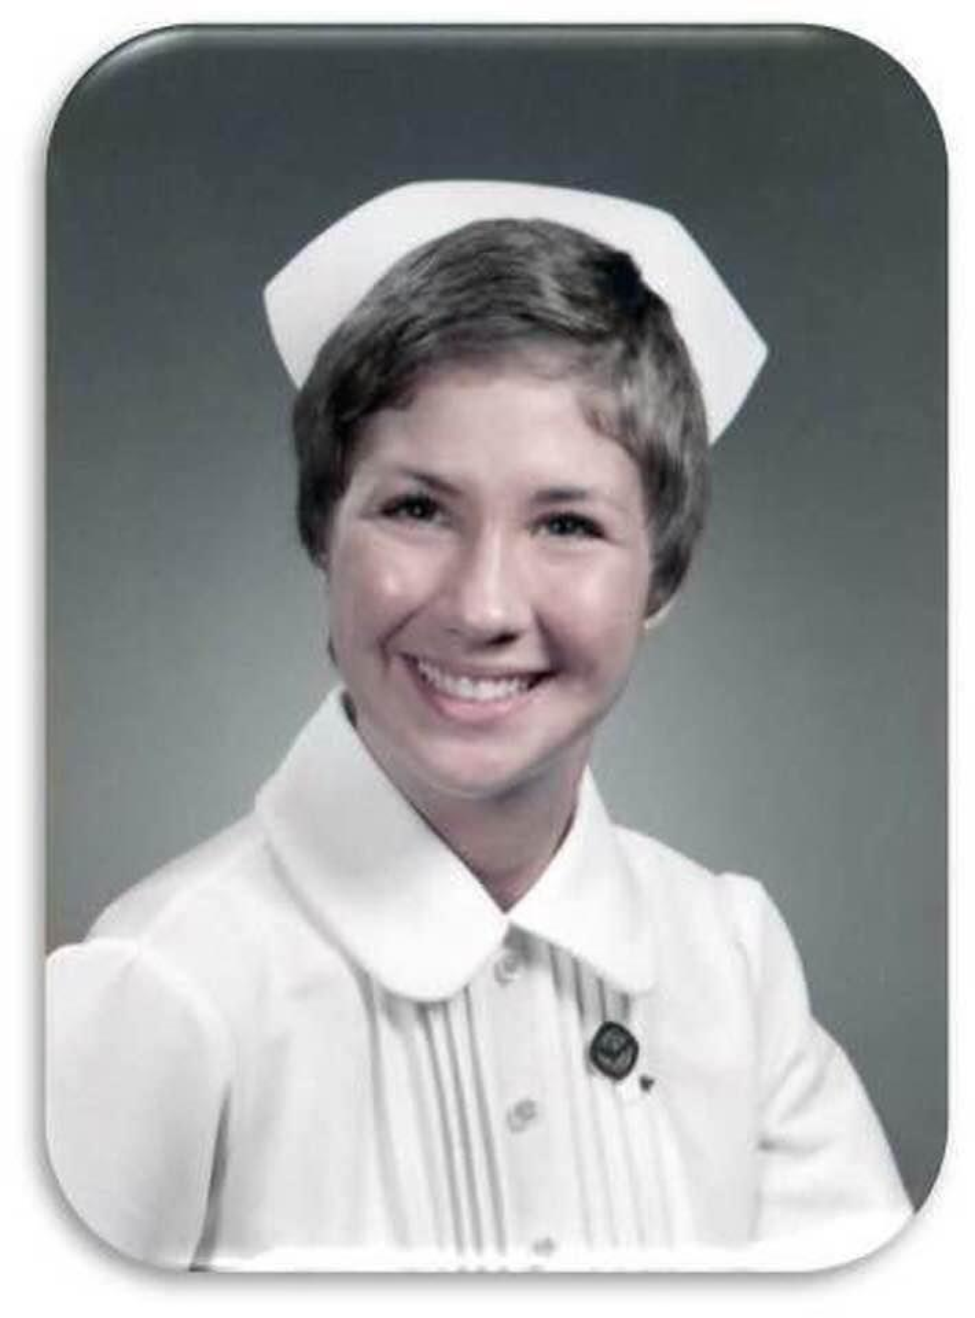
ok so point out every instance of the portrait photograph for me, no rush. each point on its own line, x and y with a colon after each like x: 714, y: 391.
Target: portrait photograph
x: 496, y: 608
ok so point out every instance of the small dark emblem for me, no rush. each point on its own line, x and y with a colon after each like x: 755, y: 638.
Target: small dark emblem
x: 613, y: 1050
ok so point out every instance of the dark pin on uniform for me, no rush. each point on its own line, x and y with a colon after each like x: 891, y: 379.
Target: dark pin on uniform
x: 613, y: 1050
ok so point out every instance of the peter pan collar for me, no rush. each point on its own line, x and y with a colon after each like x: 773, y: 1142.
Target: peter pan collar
x: 383, y: 885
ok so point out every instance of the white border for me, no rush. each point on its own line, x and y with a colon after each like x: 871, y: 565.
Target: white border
x: 48, y: 46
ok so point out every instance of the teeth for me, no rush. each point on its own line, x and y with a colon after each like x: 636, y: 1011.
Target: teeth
x: 471, y: 688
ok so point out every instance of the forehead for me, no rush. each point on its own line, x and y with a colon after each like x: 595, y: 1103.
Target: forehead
x: 503, y: 418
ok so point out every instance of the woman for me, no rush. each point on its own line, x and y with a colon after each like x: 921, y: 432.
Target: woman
x: 427, y: 1006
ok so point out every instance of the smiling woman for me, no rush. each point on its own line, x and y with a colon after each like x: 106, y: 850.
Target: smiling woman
x: 486, y: 632
x: 427, y: 1006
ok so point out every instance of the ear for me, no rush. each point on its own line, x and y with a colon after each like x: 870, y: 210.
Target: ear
x: 653, y: 620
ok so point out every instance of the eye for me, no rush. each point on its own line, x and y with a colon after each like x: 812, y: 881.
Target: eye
x: 412, y: 508
x: 571, y: 526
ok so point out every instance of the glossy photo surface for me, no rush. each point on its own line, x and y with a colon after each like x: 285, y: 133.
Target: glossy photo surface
x: 481, y: 595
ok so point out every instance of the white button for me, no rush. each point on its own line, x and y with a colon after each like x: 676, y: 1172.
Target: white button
x: 544, y: 1247
x: 522, y: 1114
x: 508, y: 966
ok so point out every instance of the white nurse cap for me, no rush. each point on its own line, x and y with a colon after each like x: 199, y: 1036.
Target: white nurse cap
x: 318, y: 288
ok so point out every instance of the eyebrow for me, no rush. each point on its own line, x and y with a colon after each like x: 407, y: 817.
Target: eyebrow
x: 551, y: 494
x: 429, y: 479
x: 565, y: 494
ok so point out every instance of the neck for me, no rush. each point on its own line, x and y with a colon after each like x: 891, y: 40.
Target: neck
x: 508, y: 841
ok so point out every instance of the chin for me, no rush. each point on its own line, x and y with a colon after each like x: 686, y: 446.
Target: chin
x: 471, y: 782
x: 468, y: 776
x: 463, y: 761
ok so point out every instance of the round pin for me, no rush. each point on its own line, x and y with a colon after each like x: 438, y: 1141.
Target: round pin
x: 613, y: 1050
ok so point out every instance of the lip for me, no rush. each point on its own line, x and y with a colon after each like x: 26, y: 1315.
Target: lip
x: 474, y: 713
x: 479, y: 674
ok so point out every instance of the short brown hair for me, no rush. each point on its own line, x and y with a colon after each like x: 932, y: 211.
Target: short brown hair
x: 544, y: 292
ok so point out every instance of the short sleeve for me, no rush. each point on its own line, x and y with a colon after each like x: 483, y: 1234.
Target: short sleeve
x: 825, y: 1168
x: 137, y: 1074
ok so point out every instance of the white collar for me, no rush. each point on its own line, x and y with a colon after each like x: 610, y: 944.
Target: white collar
x: 371, y: 871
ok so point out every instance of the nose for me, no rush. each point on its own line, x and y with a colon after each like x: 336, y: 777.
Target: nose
x: 485, y: 598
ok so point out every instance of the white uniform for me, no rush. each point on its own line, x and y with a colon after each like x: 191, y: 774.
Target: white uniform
x: 315, y: 1042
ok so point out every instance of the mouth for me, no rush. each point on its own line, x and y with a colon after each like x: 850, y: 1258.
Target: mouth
x: 473, y: 694
x: 476, y: 687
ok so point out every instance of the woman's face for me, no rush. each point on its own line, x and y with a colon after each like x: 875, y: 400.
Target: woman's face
x: 488, y: 569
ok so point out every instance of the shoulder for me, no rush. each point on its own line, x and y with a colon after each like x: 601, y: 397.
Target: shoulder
x: 716, y: 913
x: 213, y: 871
x: 221, y: 921
x: 217, y: 902
x: 652, y: 858
x: 687, y: 886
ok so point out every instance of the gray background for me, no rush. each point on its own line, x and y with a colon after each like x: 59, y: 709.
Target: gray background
x: 788, y: 720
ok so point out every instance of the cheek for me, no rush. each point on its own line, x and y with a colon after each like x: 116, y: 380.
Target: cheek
x: 601, y: 619
x: 370, y: 587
